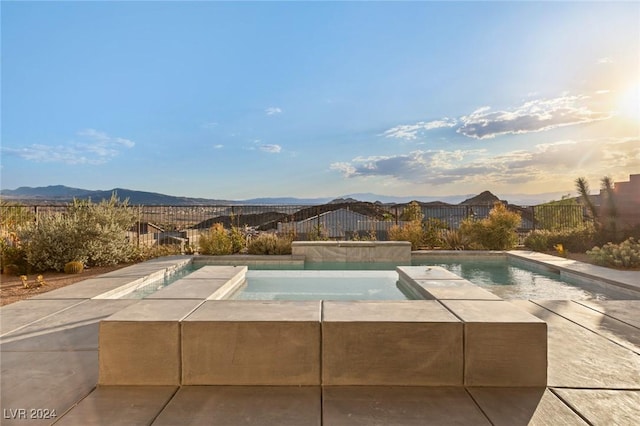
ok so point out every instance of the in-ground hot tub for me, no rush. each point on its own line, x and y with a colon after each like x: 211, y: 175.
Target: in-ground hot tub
x: 190, y: 333
x: 321, y: 285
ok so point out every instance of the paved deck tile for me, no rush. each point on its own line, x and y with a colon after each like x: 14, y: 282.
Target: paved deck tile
x: 524, y: 406
x: 119, y: 405
x: 21, y: 313
x: 46, y: 380
x: 86, y: 289
x: 622, y: 310
x: 606, y: 326
x: 243, y: 405
x: 580, y: 358
x: 604, y: 407
x: 406, y: 406
x: 75, y: 328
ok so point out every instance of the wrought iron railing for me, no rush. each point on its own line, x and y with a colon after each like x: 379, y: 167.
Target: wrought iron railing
x: 335, y: 220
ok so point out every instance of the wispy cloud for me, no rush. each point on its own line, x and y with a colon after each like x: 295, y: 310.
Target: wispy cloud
x: 552, y: 162
x: 417, y: 166
x: 270, y: 148
x: 605, y: 60
x: 533, y: 116
x: 210, y: 125
x: 273, y: 111
x: 410, y: 131
x: 218, y: 146
x: 89, y: 147
x: 264, y: 147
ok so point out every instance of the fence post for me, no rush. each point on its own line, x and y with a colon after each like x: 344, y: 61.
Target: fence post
x: 139, y: 224
x: 533, y: 218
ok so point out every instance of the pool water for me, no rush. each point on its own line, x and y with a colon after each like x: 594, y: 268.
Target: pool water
x: 509, y: 281
x: 497, y: 275
x: 155, y: 285
x: 320, y: 285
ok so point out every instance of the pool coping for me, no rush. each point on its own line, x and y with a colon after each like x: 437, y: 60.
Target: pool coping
x: 105, y: 286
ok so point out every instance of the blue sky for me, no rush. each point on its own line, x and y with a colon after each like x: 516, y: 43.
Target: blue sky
x: 235, y: 100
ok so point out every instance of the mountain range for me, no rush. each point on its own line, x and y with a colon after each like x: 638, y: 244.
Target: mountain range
x: 61, y: 194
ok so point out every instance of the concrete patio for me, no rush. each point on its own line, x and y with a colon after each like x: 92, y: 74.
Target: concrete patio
x: 49, y: 363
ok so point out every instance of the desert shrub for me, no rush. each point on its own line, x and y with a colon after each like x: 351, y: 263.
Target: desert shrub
x: 53, y: 242
x: 238, y: 240
x: 496, y: 232
x: 73, y: 267
x: 318, y: 233
x: 270, y: 244
x: 577, y: 240
x: 103, y: 228
x: 362, y: 235
x: 433, y: 229
x: 412, y: 213
x: 623, y: 255
x: 146, y: 252
x: 13, y: 256
x: 216, y: 241
x: 452, y: 239
x: 91, y: 233
x: 411, y: 232
x: 537, y: 240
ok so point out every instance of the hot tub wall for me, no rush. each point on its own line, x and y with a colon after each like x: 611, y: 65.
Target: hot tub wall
x: 354, y: 251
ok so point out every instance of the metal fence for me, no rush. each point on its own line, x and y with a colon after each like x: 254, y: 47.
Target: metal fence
x: 340, y: 221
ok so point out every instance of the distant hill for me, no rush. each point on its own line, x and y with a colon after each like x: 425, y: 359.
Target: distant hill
x: 60, y: 194
x: 483, y: 198
x: 63, y: 194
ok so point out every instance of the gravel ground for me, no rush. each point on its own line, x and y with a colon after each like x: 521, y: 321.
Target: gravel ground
x: 12, y: 289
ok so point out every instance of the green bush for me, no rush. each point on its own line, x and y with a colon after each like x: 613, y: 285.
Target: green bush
x: 623, y: 255
x: 318, y: 233
x: 216, y: 241
x: 238, y: 240
x: 496, y: 232
x: 432, y: 235
x: 270, y: 244
x: 411, y: 232
x: 73, y: 267
x: 13, y: 256
x: 412, y: 213
x: 577, y: 240
x: 538, y: 240
x: 146, y: 252
x: 94, y: 234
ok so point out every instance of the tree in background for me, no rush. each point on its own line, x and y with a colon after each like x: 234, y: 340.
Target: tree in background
x: 583, y: 189
x: 412, y: 213
x: 606, y: 225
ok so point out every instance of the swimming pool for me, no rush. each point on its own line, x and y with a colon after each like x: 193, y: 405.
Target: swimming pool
x: 496, y: 274
x: 515, y: 281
